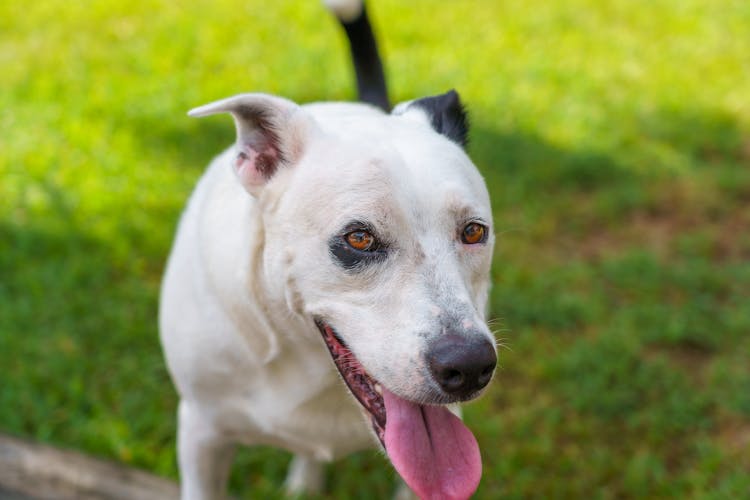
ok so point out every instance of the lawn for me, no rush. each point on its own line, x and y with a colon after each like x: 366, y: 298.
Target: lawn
x: 615, y: 140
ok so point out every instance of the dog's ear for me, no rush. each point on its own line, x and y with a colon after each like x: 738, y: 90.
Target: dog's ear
x: 445, y: 113
x: 271, y: 133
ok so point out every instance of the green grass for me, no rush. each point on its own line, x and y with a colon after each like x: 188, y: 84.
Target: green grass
x: 615, y: 140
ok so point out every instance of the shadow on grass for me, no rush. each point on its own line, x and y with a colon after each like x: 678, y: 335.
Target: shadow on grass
x: 703, y: 138
x: 542, y: 168
x: 708, y: 137
x: 79, y: 348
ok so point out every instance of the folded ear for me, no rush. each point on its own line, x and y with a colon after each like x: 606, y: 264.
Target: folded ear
x: 271, y: 132
x: 445, y: 113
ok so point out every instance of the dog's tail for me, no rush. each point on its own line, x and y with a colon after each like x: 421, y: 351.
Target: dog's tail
x: 368, y: 67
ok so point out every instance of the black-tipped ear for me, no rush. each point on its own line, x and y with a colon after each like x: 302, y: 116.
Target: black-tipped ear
x: 446, y: 113
x: 271, y: 131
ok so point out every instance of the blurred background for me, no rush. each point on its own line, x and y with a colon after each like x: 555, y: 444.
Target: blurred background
x: 615, y: 140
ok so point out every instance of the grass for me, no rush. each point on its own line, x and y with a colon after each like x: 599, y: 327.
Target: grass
x: 615, y: 140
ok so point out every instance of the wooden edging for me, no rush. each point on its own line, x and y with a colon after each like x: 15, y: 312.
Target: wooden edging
x: 42, y: 472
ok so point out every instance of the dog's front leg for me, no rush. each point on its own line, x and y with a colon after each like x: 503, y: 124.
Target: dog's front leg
x: 305, y: 475
x: 403, y: 492
x: 204, y: 456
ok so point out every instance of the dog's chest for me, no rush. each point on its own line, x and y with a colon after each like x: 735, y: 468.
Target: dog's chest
x: 296, y: 402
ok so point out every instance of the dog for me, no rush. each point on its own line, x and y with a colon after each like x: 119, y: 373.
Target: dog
x: 327, y: 286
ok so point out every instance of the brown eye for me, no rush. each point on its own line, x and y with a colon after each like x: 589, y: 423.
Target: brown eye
x: 473, y: 233
x: 360, y: 240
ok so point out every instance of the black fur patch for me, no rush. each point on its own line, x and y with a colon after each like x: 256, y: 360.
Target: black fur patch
x: 447, y: 115
x: 350, y: 258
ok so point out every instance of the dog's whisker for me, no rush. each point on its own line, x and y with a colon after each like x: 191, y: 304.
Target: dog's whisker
x: 502, y: 345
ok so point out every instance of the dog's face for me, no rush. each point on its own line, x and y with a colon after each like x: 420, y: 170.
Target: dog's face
x: 379, y: 228
x: 395, y: 253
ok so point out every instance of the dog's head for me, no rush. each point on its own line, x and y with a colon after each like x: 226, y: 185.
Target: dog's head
x: 379, y: 228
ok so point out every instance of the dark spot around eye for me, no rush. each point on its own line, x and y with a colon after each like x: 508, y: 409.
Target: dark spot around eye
x: 356, y: 247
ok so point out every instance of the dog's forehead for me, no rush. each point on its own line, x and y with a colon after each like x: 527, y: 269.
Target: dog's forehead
x: 385, y: 165
x: 441, y: 172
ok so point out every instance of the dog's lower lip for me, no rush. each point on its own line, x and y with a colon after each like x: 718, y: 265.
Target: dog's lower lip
x: 361, y: 384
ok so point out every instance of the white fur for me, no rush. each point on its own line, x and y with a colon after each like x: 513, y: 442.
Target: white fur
x: 247, y: 274
x: 346, y: 10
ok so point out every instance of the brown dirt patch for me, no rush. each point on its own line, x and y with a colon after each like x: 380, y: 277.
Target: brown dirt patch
x: 734, y: 437
x: 681, y: 210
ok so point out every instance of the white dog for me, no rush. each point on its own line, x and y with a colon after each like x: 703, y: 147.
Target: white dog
x: 333, y: 263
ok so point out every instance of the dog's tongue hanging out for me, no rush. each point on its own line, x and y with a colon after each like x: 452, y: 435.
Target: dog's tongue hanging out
x: 432, y: 450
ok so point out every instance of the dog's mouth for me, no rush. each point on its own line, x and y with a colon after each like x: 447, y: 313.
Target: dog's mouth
x: 368, y: 392
x: 432, y: 450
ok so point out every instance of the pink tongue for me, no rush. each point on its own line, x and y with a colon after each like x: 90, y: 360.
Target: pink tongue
x: 431, y: 449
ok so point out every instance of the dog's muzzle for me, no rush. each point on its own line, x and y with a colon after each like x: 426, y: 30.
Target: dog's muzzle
x: 432, y: 450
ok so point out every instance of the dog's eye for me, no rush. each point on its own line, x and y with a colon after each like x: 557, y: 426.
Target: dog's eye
x: 360, y: 240
x: 474, y: 233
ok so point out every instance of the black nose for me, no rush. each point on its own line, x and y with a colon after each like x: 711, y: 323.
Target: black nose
x: 462, y: 365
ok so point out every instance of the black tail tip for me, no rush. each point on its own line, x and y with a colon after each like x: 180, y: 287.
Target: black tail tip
x: 368, y: 66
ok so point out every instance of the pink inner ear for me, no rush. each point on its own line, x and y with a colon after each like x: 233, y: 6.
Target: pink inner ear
x: 255, y: 168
